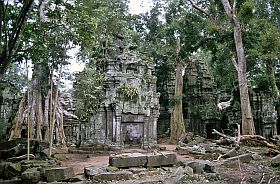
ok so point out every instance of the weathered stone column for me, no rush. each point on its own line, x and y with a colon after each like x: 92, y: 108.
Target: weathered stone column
x: 118, y: 119
x: 146, y: 132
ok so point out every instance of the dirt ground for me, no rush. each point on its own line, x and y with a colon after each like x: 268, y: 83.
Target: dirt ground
x: 257, y: 171
x: 79, y: 161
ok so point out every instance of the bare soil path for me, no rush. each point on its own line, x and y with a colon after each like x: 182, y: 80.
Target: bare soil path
x: 79, y: 161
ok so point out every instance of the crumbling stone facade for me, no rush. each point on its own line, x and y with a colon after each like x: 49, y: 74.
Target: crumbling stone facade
x: 263, y: 109
x: 202, y: 114
x: 201, y: 101
x: 128, y: 115
x: 9, y: 101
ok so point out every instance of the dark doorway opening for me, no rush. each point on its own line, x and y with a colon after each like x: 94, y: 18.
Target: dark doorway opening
x: 209, y: 130
x: 132, y: 134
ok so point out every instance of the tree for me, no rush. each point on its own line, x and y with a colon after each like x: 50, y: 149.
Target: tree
x: 177, y: 125
x: 109, y: 21
x: 44, y: 43
x: 158, y: 32
x: 240, y: 64
x: 248, y: 126
x: 89, y: 92
x: 11, y: 30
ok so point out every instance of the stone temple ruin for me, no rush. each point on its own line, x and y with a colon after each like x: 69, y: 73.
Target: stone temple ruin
x: 128, y: 115
x: 201, y: 113
x: 201, y: 89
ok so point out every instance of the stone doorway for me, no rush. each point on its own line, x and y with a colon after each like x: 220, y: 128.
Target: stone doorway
x: 132, y: 134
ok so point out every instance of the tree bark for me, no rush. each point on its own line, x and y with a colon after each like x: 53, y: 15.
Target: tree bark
x: 248, y: 126
x: 40, y: 103
x: 177, y: 126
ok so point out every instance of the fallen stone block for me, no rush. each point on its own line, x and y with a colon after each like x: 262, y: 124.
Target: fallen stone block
x: 14, y: 169
x: 4, y: 174
x: 11, y: 181
x: 109, y: 176
x: 91, y: 171
x: 190, y: 150
x: 137, y: 170
x: 111, y: 169
x: 200, y: 166
x: 59, y: 174
x: 177, y: 176
x: 31, y: 175
x: 154, y: 159
x: 161, y: 159
x: 128, y: 160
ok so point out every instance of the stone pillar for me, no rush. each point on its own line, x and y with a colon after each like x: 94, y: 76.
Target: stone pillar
x: 118, y: 129
x: 146, y: 132
x: 110, y: 121
x: 155, y: 130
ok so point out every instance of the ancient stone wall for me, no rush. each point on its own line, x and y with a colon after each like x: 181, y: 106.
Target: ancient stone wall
x: 128, y: 115
x: 202, y: 114
x: 201, y: 101
x: 263, y: 109
x: 9, y: 106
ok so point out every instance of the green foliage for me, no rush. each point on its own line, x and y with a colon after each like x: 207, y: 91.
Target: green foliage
x: 129, y: 92
x: 175, y: 100
x: 246, y: 9
x: 89, y: 92
x: 263, y: 82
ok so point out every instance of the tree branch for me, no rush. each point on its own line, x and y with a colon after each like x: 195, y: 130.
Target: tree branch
x: 19, y: 25
x: 227, y: 8
x: 43, y: 6
x: 10, y: 41
x: 199, y: 9
x: 213, y: 19
x: 233, y: 60
x: 1, y: 20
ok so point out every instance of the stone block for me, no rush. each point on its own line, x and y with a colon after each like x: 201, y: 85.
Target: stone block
x: 200, y: 166
x: 4, y: 174
x: 128, y: 160
x: 31, y: 175
x: 59, y: 174
x: 161, y: 159
x: 91, y: 171
x: 14, y: 169
x: 183, y: 150
x: 137, y: 170
x: 11, y: 181
x: 143, y: 160
x: 109, y: 176
x: 176, y: 176
x: 112, y: 169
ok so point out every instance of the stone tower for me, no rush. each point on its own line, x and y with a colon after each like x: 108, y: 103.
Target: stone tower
x: 128, y: 115
x: 202, y: 112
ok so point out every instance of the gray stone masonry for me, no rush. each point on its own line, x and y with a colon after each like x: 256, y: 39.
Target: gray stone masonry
x: 128, y: 115
x: 154, y: 159
x: 59, y: 174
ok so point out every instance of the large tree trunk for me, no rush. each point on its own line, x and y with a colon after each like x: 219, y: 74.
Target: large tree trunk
x: 248, y: 126
x: 177, y: 126
x: 40, y: 102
